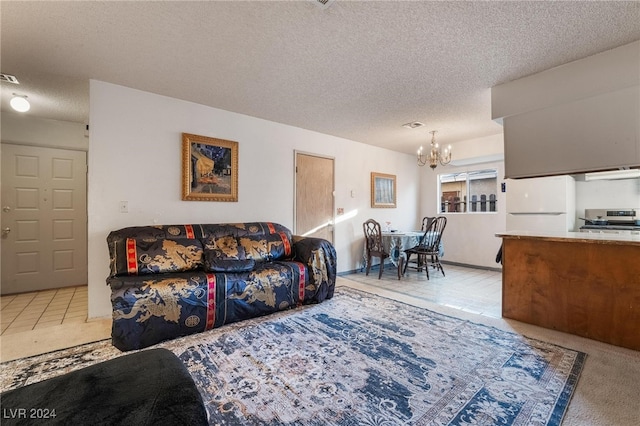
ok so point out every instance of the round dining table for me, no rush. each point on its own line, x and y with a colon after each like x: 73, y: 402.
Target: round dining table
x: 396, y: 242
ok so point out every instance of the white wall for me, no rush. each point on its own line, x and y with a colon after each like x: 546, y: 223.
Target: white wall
x: 478, y: 150
x: 135, y: 155
x: 468, y: 238
x: 24, y: 129
x: 607, y: 194
x: 570, y: 111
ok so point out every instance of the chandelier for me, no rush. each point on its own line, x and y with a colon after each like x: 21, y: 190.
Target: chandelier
x: 434, y: 155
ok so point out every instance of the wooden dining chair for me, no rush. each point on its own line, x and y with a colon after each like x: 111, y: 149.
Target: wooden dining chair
x: 429, y: 246
x: 426, y: 222
x: 374, y: 246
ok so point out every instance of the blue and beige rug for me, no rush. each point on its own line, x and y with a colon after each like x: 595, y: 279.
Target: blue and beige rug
x: 357, y: 359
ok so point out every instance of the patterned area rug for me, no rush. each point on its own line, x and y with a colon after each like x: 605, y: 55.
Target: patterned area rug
x: 357, y: 359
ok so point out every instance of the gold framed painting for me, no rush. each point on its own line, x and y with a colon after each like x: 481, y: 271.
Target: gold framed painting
x: 383, y: 190
x: 209, y: 169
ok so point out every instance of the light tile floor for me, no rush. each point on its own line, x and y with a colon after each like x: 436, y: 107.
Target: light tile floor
x: 472, y: 290
x: 41, y: 309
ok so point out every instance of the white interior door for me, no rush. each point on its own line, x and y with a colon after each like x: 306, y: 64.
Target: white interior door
x: 314, y: 196
x: 44, y: 218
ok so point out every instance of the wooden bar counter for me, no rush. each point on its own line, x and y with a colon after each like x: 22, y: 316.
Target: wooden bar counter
x: 579, y: 283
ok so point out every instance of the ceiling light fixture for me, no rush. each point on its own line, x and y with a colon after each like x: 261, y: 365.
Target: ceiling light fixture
x: 20, y: 103
x: 434, y: 156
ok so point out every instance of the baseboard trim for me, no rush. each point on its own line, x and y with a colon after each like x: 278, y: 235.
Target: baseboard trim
x: 465, y: 265
x: 353, y: 271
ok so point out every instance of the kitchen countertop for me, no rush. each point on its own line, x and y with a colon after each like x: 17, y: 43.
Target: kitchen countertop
x: 582, y: 237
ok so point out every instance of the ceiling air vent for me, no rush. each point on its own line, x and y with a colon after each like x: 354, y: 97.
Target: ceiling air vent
x: 9, y: 78
x: 323, y: 4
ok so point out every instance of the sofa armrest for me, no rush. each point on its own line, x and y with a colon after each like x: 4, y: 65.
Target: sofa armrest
x: 319, y: 256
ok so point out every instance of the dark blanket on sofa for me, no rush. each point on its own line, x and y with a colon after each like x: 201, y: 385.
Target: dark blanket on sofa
x: 150, y: 387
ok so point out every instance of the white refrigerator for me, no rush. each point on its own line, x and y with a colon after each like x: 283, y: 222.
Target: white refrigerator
x: 541, y: 205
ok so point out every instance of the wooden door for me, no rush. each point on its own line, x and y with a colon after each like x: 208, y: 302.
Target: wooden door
x: 44, y: 218
x: 314, y: 196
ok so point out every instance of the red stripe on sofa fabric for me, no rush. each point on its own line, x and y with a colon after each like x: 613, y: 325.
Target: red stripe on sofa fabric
x: 188, y: 229
x: 211, y: 301
x: 287, y: 244
x: 272, y: 229
x: 132, y: 257
x: 302, y: 270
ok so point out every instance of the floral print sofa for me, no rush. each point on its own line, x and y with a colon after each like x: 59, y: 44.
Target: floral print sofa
x: 173, y: 280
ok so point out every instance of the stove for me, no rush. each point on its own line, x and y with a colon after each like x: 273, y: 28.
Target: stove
x: 616, y: 221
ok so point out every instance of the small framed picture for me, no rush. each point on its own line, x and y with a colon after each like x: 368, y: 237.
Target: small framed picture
x: 209, y: 169
x: 383, y: 190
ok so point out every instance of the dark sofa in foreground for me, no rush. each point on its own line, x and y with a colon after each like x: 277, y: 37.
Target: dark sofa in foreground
x: 149, y: 387
x: 173, y: 280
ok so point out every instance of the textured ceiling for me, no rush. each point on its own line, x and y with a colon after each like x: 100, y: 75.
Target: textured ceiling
x: 357, y: 70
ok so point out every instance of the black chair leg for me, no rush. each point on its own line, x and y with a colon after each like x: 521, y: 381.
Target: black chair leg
x: 426, y: 264
x: 400, y: 263
x: 381, y: 267
x: 404, y: 271
x: 368, y: 265
x: 440, y: 265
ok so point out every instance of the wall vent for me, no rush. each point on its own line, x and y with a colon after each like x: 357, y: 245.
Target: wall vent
x: 413, y: 125
x: 323, y: 4
x: 9, y: 78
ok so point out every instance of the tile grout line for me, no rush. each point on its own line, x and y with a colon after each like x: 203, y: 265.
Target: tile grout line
x: 45, y: 309
x: 66, y: 311
x: 42, y: 312
x: 25, y: 307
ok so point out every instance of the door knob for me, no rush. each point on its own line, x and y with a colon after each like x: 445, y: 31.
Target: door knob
x: 6, y: 209
x: 6, y: 231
